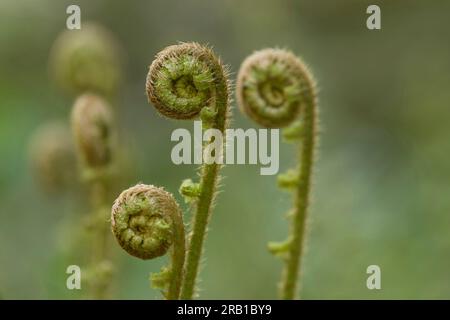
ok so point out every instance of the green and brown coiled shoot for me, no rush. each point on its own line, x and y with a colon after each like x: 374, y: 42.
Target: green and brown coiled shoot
x: 93, y: 130
x: 185, y: 81
x: 86, y: 63
x: 147, y: 221
x: 275, y: 89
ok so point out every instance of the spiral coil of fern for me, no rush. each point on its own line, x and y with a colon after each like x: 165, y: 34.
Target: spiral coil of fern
x: 86, y: 60
x: 52, y: 157
x: 92, y: 125
x: 187, y: 81
x: 146, y: 222
x: 93, y: 131
x: 275, y: 89
x: 87, y: 63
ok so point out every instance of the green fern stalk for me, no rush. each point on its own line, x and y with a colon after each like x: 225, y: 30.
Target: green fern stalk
x: 275, y: 89
x: 188, y: 81
x: 93, y: 130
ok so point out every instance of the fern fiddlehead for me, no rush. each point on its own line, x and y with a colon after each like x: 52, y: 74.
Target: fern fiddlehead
x: 275, y: 89
x: 87, y: 63
x: 86, y: 60
x: 93, y: 131
x: 147, y: 221
x: 92, y: 125
x: 188, y: 81
x: 52, y: 157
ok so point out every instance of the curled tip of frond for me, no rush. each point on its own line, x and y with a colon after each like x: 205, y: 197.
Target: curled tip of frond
x: 272, y: 86
x: 52, y: 156
x: 86, y: 60
x: 92, y: 126
x: 142, y: 220
x: 185, y: 78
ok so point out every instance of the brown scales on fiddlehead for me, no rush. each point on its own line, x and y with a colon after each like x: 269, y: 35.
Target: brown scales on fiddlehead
x: 146, y: 222
x: 275, y: 89
x: 188, y: 81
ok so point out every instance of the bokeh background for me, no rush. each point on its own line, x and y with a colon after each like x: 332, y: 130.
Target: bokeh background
x: 382, y: 184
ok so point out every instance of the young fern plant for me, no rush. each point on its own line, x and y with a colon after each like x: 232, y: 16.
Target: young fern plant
x: 87, y: 60
x: 87, y: 63
x: 52, y: 157
x: 147, y: 221
x: 188, y: 81
x: 276, y: 90
x: 93, y: 131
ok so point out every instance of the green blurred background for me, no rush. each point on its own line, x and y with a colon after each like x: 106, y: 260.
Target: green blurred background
x: 381, y: 191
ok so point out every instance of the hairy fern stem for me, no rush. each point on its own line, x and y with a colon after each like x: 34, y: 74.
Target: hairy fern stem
x: 188, y: 81
x: 276, y: 90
